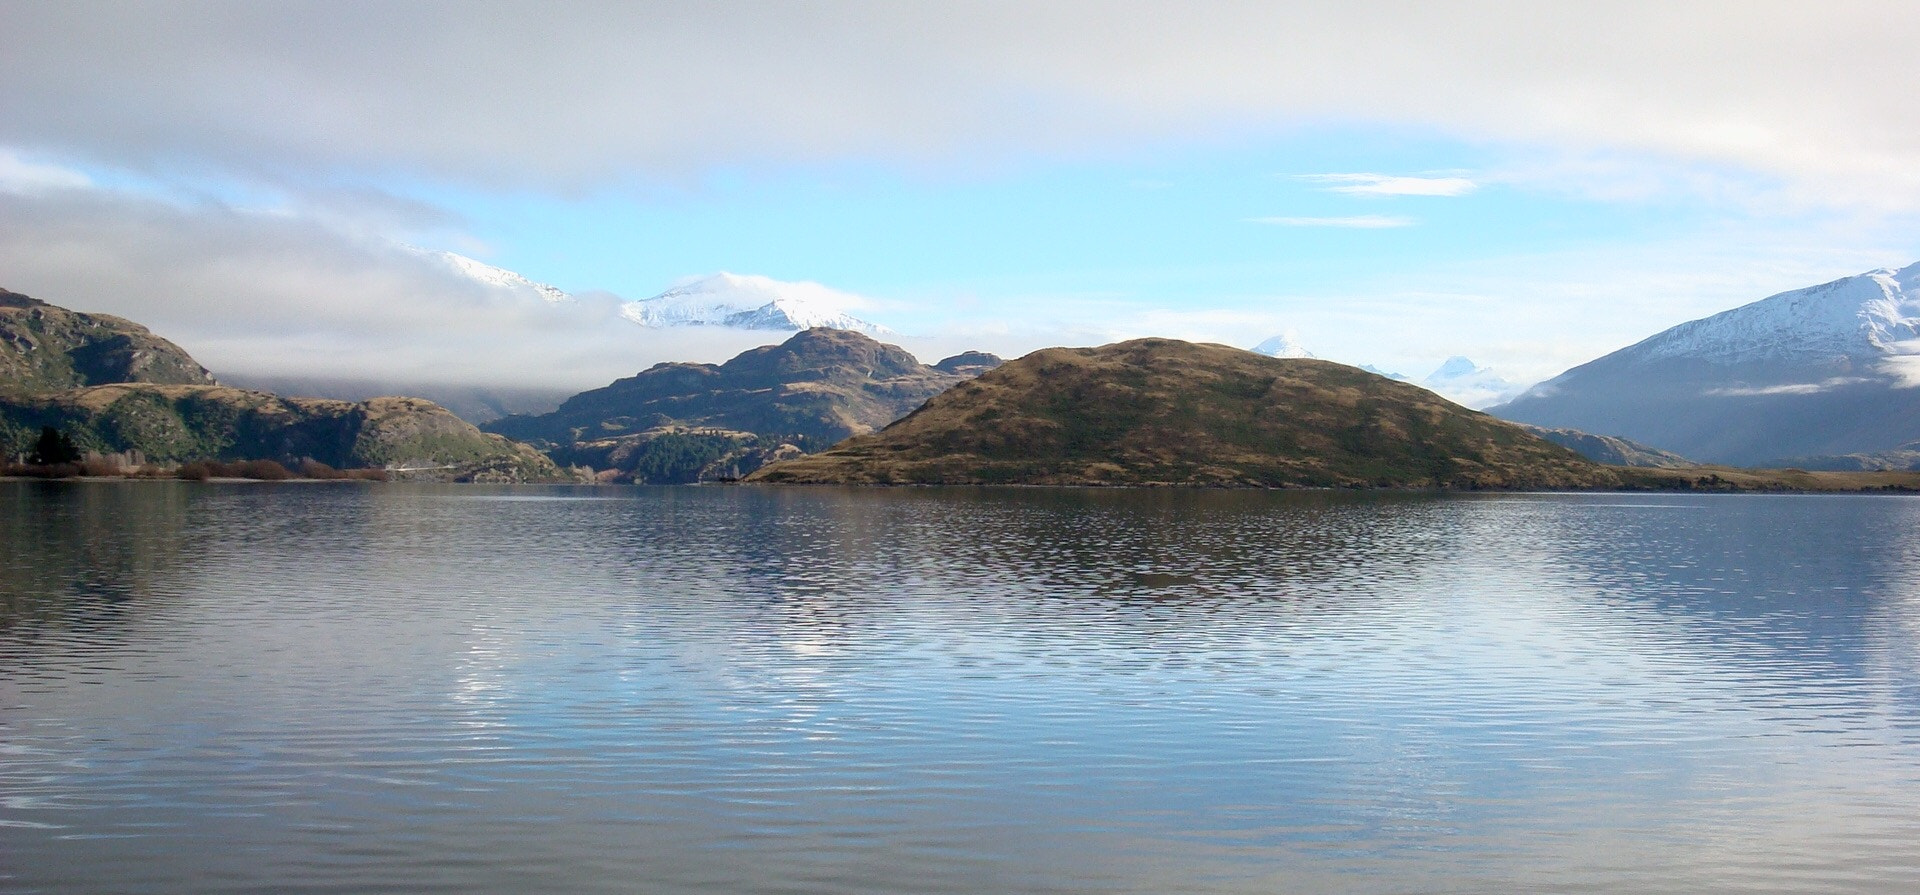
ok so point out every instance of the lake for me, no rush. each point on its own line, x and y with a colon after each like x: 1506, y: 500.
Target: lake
x: 352, y: 688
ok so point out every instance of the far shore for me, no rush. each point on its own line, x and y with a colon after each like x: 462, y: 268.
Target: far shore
x: 1635, y: 480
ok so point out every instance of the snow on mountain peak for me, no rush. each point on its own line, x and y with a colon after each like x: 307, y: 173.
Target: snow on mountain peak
x: 1867, y: 316
x: 481, y: 272
x: 1283, y: 345
x: 745, y: 301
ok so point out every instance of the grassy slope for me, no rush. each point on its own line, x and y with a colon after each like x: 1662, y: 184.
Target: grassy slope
x: 1161, y: 411
x: 185, y: 422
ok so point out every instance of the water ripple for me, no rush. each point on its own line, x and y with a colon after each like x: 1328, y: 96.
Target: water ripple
x: 237, y: 688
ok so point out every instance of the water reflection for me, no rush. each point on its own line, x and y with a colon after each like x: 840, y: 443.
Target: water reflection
x: 778, y: 690
x: 74, y: 555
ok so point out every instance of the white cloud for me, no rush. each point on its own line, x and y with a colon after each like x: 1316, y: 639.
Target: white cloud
x: 1355, y: 222
x: 1795, y: 388
x: 1390, y: 185
x: 560, y: 95
x: 283, y: 295
x: 19, y: 175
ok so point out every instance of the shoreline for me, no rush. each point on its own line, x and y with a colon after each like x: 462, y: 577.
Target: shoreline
x: 1638, y: 480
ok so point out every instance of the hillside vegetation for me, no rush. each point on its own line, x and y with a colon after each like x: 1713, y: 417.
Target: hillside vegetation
x: 171, y: 423
x: 1162, y: 411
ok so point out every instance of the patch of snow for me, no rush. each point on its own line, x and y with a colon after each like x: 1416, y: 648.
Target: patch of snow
x: 749, y: 302
x: 1867, y: 317
x: 1283, y: 345
x: 482, y: 272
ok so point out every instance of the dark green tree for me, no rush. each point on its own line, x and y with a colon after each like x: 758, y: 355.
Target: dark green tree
x: 53, y: 448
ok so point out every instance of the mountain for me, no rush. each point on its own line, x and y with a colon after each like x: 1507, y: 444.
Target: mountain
x: 685, y: 421
x: 1822, y: 371
x: 45, y: 347
x: 1615, y: 451
x: 1162, y: 411
x: 1904, y: 459
x: 969, y: 363
x: 1470, y: 385
x: 487, y: 274
x: 1400, y: 377
x: 1283, y: 345
x: 748, y: 302
x: 112, y: 386
x: 195, y: 422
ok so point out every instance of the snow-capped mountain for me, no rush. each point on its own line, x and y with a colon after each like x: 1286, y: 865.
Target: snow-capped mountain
x: 749, y: 302
x: 1867, y: 317
x: 1283, y: 345
x: 1828, y: 369
x: 481, y: 272
x: 1470, y: 385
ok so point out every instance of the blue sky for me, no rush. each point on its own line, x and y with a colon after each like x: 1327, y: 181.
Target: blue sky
x: 1391, y: 185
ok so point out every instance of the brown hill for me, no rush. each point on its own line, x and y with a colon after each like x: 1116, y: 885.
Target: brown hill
x: 1162, y: 411
x: 44, y: 347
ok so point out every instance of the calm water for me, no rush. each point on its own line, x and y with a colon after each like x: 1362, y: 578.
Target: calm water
x: 463, y: 689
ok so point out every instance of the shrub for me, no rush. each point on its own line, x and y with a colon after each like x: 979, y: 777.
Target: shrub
x: 262, y: 470
x: 314, y: 469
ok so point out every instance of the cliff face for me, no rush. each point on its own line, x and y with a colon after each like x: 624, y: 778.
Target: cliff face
x: 47, y: 348
x: 1162, y: 411
x: 192, y: 422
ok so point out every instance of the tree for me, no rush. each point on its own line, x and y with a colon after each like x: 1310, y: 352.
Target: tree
x: 53, y: 448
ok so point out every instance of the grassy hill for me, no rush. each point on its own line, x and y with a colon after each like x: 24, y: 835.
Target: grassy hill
x: 194, y: 422
x: 44, y: 347
x: 1162, y: 411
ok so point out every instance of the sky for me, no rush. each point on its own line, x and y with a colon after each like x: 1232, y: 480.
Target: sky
x: 1529, y: 185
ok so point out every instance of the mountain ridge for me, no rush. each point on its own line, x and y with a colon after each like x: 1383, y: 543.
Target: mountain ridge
x: 816, y: 388
x: 1818, y: 371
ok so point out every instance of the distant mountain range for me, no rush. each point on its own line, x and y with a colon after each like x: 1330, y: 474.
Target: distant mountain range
x: 1458, y: 379
x: 1802, y: 378
x: 682, y: 422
